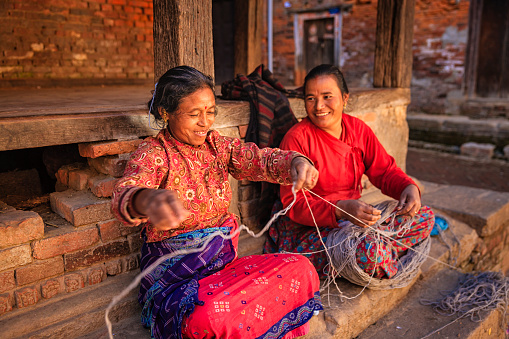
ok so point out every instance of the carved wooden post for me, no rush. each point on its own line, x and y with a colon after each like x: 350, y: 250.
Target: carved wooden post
x: 393, y: 50
x: 183, y: 35
x: 248, y: 35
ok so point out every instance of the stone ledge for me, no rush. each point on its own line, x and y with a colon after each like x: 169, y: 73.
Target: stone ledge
x: 71, y: 315
x: 485, y: 211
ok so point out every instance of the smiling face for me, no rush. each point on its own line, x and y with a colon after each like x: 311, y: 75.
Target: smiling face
x: 194, y: 117
x: 324, y: 103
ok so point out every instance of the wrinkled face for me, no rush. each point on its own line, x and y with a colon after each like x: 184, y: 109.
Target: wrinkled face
x: 324, y: 103
x: 193, y: 118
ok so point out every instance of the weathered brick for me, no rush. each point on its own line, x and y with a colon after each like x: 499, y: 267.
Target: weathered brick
x: 64, y: 243
x: 50, y: 288
x: 110, y: 165
x: 102, y: 185
x: 39, y: 270
x: 78, y: 179
x: 112, y: 229
x: 474, y: 149
x: 27, y: 296
x: 95, y: 255
x: 249, y: 192
x: 73, y: 282
x: 249, y: 208
x: 99, y: 149
x: 80, y: 207
x: 7, y: 281
x: 17, y: 227
x: 15, y: 256
x: 62, y: 174
x: 135, y: 242
x: 5, y: 303
x: 131, y: 262
x: 114, y: 267
x: 95, y: 275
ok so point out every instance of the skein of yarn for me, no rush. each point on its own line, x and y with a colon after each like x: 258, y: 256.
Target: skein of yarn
x: 342, y: 245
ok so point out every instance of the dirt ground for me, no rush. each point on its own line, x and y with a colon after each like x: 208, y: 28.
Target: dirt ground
x: 453, y: 169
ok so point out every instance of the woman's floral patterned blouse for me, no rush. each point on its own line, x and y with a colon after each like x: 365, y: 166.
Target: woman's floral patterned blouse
x: 198, y: 174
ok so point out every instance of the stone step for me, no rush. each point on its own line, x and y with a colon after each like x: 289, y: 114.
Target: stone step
x: 484, y: 210
x: 350, y: 318
x: 72, y: 315
x: 411, y: 319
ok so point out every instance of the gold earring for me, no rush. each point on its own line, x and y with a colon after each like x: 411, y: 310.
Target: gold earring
x: 344, y: 106
x: 164, y: 115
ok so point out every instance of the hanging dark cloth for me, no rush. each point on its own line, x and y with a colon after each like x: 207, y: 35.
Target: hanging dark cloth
x: 270, y: 118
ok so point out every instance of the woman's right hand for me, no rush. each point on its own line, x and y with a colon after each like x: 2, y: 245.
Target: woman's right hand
x: 161, y: 206
x: 365, y: 214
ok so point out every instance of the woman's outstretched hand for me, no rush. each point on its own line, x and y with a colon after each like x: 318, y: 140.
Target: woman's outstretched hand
x: 163, y: 208
x: 304, y: 174
x: 409, y: 202
x: 365, y: 214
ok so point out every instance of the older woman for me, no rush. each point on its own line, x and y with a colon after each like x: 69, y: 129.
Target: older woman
x: 177, y: 185
x: 343, y: 148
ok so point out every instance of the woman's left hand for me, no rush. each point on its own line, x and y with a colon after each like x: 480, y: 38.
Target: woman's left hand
x: 409, y: 201
x: 304, y: 174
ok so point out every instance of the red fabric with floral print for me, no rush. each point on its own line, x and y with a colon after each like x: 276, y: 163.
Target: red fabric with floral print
x: 199, y: 175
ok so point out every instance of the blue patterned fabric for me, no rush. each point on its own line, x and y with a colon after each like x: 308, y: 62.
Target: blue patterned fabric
x: 167, y: 295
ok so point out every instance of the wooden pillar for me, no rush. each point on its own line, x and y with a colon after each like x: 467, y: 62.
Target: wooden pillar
x: 183, y: 35
x: 248, y: 35
x: 393, y: 50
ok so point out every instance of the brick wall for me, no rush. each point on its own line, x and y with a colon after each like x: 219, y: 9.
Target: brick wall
x: 86, y: 41
x: 76, y: 243
x: 440, y: 32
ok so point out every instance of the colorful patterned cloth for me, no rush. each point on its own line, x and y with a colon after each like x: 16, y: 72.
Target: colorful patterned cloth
x: 210, y: 295
x: 271, y: 115
x: 199, y: 176
x: 292, y: 237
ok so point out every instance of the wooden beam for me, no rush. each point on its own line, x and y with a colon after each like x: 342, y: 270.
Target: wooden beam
x: 393, y: 50
x: 248, y: 35
x: 471, y: 53
x: 183, y: 35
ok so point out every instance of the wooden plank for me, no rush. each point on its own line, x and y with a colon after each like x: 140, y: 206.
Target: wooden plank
x: 183, y: 35
x: 31, y: 132
x: 393, y: 50
x: 248, y: 35
x: 36, y: 130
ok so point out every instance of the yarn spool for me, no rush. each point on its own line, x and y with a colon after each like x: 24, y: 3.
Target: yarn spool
x: 342, y: 245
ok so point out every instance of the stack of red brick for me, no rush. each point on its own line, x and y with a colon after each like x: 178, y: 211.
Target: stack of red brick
x: 45, y: 253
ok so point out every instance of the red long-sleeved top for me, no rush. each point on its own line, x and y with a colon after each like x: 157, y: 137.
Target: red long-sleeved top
x: 341, y: 163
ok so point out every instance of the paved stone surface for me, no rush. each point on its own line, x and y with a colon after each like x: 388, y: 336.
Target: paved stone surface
x: 451, y: 169
x: 413, y: 320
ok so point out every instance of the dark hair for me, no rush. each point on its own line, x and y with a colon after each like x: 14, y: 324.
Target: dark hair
x: 174, y: 85
x: 325, y: 69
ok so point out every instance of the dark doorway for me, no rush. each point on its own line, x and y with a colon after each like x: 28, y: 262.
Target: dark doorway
x: 318, y: 42
x: 493, y: 62
x: 223, y: 32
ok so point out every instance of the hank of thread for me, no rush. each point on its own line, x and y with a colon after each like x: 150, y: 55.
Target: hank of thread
x: 476, y: 293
